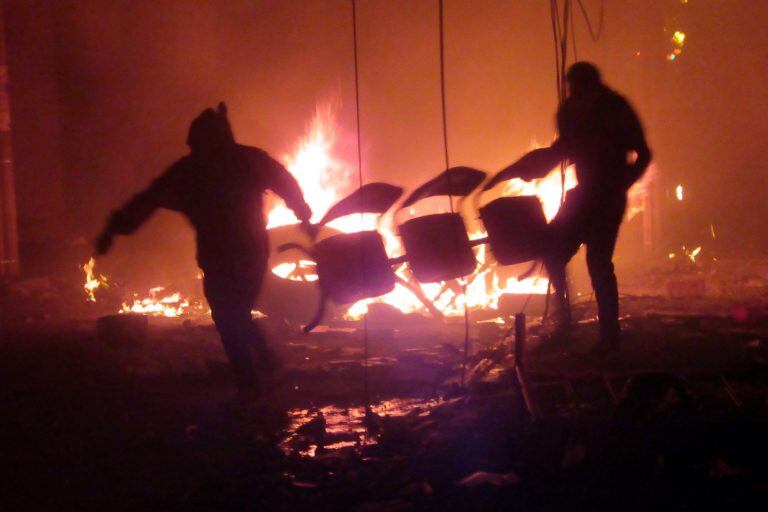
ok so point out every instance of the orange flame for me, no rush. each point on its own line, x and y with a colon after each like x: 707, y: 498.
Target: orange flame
x: 168, y: 305
x: 158, y: 304
x: 92, y: 281
x: 323, y: 178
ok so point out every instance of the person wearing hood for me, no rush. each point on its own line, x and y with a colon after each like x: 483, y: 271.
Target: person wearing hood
x: 219, y: 188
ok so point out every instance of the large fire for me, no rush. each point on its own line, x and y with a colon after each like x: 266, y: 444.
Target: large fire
x: 325, y: 179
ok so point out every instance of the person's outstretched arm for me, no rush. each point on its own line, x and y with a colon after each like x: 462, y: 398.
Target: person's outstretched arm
x: 161, y: 193
x: 282, y: 183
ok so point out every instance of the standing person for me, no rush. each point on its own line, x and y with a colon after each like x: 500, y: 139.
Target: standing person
x: 601, y: 134
x: 219, y: 187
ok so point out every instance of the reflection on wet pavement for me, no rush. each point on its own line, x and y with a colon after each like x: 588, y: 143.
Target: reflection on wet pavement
x: 321, y: 429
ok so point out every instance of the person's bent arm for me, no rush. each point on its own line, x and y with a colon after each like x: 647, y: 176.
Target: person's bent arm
x: 282, y: 183
x: 634, y: 137
x: 638, y: 167
x: 127, y: 219
x: 560, y: 148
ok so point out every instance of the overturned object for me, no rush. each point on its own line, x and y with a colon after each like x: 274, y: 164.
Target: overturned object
x: 516, y: 228
x: 438, y: 247
x: 353, y: 266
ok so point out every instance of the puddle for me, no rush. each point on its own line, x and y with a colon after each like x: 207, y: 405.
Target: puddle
x: 344, y: 426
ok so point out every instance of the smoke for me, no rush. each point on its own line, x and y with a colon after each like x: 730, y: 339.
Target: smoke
x: 118, y: 82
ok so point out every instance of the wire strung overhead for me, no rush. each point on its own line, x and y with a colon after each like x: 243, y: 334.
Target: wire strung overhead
x: 560, y: 37
x: 366, y: 396
x: 594, y: 35
x: 441, y: 25
x: 563, y: 21
x: 561, y: 24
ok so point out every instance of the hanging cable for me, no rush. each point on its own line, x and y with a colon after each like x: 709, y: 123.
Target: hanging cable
x: 366, y: 397
x: 595, y: 36
x: 560, y: 40
x: 562, y: 91
x: 564, y: 46
x: 442, y: 93
x: 447, y: 166
x: 554, y: 14
x: 573, y: 39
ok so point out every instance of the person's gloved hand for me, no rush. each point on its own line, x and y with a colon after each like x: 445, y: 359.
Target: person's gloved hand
x: 103, y: 242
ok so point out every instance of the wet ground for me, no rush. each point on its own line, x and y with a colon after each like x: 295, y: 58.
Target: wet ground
x: 675, y: 420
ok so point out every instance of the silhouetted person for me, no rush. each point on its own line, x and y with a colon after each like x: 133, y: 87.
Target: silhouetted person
x: 219, y: 186
x: 601, y: 134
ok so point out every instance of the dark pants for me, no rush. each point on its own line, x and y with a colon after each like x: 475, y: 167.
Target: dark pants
x: 231, y: 295
x: 593, y: 220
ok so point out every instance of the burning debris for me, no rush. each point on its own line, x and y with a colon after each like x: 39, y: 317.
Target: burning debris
x: 158, y: 303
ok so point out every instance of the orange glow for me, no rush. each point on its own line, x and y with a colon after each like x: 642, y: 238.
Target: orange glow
x: 92, y: 281
x: 158, y: 304
x: 325, y: 179
x: 548, y: 189
x: 692, y: 253
x: 303, y: 270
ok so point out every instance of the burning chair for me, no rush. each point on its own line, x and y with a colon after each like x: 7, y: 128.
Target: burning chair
x: 355, y: 266
x: 437, y: 246
x: 352, y: 266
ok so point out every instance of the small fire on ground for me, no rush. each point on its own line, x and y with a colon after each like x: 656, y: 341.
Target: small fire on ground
x: 93, y: 281
x: 159, y: 303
